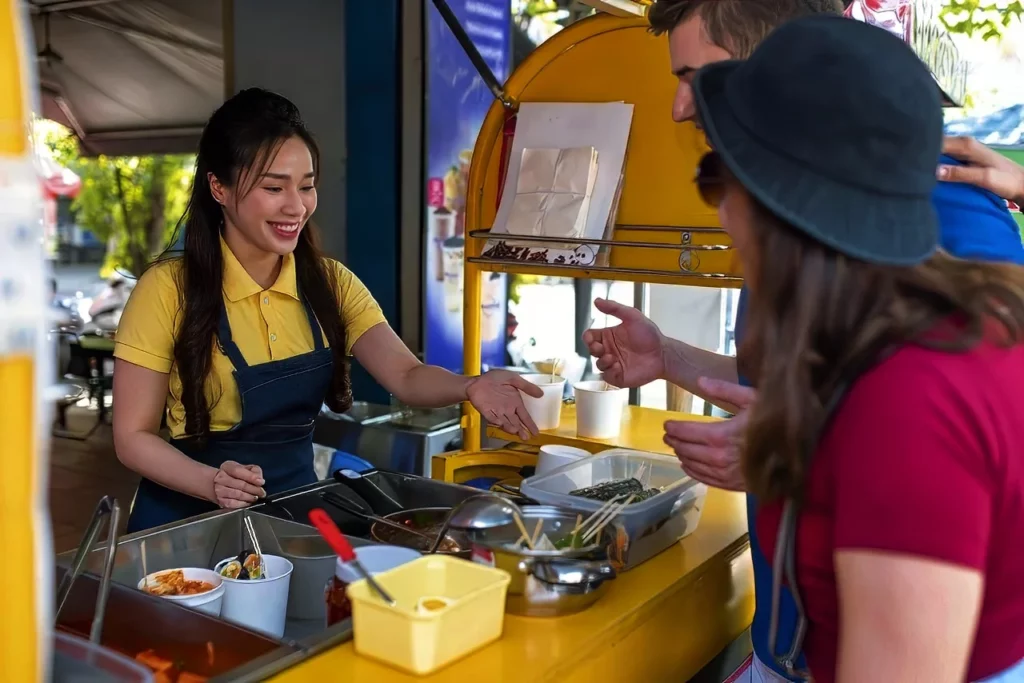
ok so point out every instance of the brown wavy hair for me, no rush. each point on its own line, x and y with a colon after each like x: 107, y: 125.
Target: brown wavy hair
x: 239, y: 141
x: 818, y: 318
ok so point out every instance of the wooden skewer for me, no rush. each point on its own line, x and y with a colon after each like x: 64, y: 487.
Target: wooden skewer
x: 594, y: 518
x: 145, y: 571
x: 522, y: 528
x: 536, y: 533
x: 597, y: 529
x: 579, y: 522
x: 599, y: 523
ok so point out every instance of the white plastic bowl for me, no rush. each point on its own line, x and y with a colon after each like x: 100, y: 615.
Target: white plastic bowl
x: 209, y: 602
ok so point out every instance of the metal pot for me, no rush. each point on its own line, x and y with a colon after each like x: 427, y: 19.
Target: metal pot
x: 547, y: 583
x: 429, y: 520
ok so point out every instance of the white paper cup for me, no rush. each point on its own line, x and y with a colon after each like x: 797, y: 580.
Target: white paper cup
x: 599, y: 409
x: 553, y: 456
x: 209, y: 602
x: 260, y: 605
x: 546, y: 411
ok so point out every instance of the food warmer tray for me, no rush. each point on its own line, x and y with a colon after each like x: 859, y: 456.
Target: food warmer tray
x: 136, y: 622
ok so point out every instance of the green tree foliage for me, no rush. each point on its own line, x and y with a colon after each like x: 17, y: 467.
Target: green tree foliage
x: 985, y: 18
x: 132, y: 203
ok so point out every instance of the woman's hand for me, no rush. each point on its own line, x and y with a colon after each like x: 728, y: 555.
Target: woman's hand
x: 984, y: 168
x: 496, y: 395
x: 237, y: 486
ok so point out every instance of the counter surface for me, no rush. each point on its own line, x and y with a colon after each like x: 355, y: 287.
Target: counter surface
x: 661, y: 621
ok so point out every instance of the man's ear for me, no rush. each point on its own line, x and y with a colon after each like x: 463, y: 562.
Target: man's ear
x: 217, y: 189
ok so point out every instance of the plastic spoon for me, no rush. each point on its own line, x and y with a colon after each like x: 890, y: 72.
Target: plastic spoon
x: 332, y: 534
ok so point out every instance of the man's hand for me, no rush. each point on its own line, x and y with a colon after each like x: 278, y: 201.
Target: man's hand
x: 631, y: 354
x: 985, y: 168
x: 710, y: 451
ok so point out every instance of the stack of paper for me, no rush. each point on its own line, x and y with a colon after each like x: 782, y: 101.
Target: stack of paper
x: 553, y: 192
x: 564, y: 180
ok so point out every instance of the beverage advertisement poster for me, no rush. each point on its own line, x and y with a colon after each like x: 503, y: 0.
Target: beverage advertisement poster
x: 457, y: 101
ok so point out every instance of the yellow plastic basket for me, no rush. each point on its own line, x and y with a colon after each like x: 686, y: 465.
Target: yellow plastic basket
x: 421, y: 641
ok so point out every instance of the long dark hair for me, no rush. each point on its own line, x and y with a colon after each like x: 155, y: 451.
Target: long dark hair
x: 239, y: 141
x: 818, y: 319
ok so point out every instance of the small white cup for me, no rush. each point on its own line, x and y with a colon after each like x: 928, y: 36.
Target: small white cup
x: 553, y: 456
x: 261, y: 604
x: 546, y: 411
x: 599, y: 409
x: 209, y: 602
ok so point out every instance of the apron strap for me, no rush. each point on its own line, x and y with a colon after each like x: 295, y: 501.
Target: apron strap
x: 314, y: 326
x: 227, y: 344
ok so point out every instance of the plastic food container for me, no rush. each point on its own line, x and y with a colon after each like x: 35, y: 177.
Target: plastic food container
x: 644, y: 529
x: 446, y: 608
x: 209, y: 602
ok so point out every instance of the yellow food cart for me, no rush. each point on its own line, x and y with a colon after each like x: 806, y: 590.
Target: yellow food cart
x: 667, y: 618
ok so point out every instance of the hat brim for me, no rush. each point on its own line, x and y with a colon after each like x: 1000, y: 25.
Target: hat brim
x: 862, y: 224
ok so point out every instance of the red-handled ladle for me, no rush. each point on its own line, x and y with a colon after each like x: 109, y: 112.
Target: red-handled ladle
x: 332, y: 534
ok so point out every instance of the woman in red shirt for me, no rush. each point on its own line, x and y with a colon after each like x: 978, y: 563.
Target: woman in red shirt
x: 887, y: 445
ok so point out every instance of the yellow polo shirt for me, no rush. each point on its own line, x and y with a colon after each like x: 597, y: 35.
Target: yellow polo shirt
x: 266, y: 325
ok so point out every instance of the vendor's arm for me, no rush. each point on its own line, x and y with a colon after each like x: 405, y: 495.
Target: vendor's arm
x: 909, y: 565
x: 386, y: 357
x: 144, y: 353
x: 136, y: 433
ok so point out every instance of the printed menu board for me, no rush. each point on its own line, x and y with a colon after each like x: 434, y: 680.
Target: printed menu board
x: 457, y: 101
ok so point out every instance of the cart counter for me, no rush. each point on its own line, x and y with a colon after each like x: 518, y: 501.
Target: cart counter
x: 662, y: 621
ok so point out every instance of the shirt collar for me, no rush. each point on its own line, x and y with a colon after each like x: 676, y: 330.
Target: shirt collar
x: 239, y: 285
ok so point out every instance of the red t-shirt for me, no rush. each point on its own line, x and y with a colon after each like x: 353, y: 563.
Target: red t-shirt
x: 925, y: 457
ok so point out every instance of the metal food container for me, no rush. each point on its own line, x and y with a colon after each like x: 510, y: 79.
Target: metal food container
x: 643, y: 529
x: 390, y: 437
x: 547, y: 583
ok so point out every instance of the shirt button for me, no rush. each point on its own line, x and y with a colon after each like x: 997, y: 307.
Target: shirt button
x: 273, y: 337
x: 266, y: 300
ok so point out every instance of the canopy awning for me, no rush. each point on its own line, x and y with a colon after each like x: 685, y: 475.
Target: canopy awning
x: 130, y: 76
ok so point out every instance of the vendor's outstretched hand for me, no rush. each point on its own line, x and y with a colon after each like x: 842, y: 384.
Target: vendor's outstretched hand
x: 496, y: 395
x: 629, y: 354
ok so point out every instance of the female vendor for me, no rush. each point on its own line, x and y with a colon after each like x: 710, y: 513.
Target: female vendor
x: 242, y: 338
x: 887, y: 445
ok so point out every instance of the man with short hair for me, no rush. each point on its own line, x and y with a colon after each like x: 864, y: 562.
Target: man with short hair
x: 973, y: 222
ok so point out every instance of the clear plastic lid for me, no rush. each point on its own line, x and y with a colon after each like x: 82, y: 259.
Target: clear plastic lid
x: 653, y: 471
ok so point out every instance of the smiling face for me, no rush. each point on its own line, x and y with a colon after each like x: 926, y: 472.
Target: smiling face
x: 689, y: 49
x: 266, y: 214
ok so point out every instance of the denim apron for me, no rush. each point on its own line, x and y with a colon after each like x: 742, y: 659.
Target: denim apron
x: 280, y: 402
x: 790, y: 659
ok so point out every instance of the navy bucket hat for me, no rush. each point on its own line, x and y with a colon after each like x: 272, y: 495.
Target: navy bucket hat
x: 835, y: 126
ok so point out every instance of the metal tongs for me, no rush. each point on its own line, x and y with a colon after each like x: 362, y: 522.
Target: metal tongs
x: 106, y: 507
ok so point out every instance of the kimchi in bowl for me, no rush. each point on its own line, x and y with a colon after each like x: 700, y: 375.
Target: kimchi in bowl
x: 201, y: 589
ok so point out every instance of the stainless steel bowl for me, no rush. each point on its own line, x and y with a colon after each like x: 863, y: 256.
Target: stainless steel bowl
x: 547, y: 583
